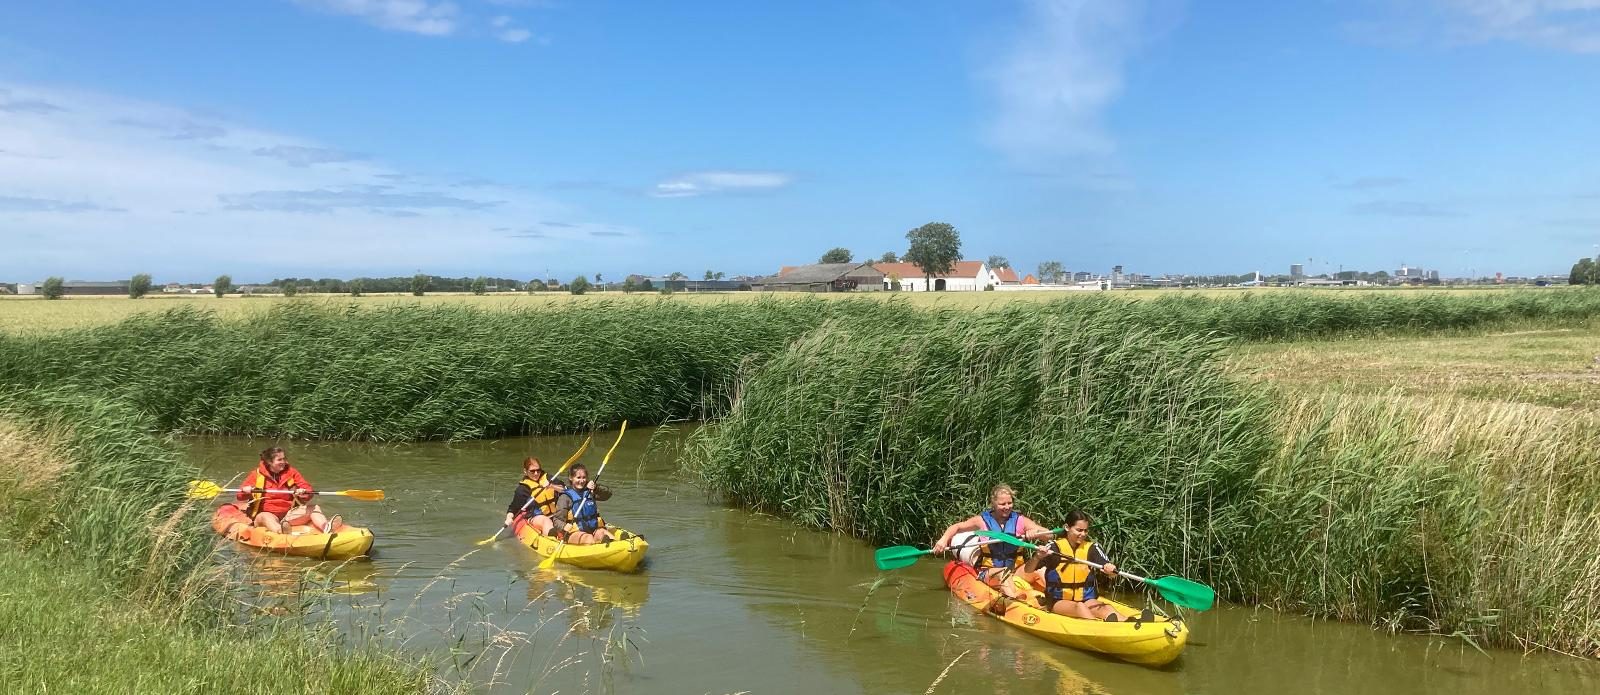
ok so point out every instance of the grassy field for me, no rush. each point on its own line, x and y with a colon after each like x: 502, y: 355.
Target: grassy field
x: 23, y: 315
x: 1555, y: 367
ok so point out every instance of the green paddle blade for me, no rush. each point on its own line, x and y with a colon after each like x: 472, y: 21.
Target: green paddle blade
x: 898, y: 556
x: 1186, y: 593
x: 1003, y: 536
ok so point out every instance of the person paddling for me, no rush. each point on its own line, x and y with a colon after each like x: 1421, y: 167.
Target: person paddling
x: 534, y: 498
x: 1069, y: 587
x: 576, y: 507
x: 275, y: 495
x: 1001, y: 516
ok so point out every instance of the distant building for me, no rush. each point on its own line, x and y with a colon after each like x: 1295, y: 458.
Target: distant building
x: 1297, y: 270
x: 1433, y: 275
x: 1082, y: 276
x: 78, y: 287
x: 1007, y: 276
x: 965, y: 276
x: 823, y: 277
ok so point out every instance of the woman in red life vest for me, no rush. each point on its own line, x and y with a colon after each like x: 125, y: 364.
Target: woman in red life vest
x: 275, y: 495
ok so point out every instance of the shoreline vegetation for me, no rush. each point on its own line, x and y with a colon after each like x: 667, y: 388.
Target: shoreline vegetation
x: 1196, y: 429
x: 102, y: 549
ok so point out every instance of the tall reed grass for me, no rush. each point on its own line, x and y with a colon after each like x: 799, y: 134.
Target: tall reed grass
x: 403, y: 371
x: 893, y: 435
x: 421, y: 372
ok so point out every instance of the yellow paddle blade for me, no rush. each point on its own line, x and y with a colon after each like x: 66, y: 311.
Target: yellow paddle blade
x: 550, y: 561
x: 490, y: 539
x: 203, y: 489
x: 368, y: 495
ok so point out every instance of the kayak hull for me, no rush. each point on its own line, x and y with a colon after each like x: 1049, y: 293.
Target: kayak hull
x: 1154, y: 643
x: 342, y: 543
x: 621, y: 555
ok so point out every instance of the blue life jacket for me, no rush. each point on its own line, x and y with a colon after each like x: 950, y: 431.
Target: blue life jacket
x: 997, y: 554
x: 587, y: 519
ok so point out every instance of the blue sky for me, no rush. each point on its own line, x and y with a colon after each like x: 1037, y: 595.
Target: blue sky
x: 527, y: 138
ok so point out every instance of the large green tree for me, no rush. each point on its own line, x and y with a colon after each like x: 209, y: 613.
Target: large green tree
x: 838, y: 254
x: 935, y: 247
x: 1583, y: 272
x: 998, y: 262
x: 1051, y: 272
x: 419, y: 284
x: 889, y: 257
x: 579, y: 285
x: 53, y: 288
x: 139, y: 286
x: 222, y: 285
x: 479, y: 285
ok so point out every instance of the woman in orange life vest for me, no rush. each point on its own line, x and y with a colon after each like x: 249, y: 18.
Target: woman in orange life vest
x: 576, y: 509
x: 1001, y: 516
x: 1069, y: 586
x: 275, y: 510
x: 535, y: 498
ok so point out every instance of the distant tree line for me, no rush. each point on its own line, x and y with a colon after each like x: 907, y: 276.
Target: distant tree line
x: 409, y: 283
x: 1585, y: 272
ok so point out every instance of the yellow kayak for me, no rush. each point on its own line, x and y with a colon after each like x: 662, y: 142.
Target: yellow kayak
x: 622, y: 554
x: 341, y: 543
x: 1152, y: 643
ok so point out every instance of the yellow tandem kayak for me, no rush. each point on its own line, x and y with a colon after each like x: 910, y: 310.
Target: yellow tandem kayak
x: 1151, y: 643
x: 341, y: 543
x: 622, y: 554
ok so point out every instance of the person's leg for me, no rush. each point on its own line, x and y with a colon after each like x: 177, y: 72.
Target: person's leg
x: 269, y: 521
x: 317, y: 518
x: 602, y: 535
x: 1100, y: 610
x: 541, y: 523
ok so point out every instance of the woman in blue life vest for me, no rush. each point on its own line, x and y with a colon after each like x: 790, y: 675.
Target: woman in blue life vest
x: 575, y: 508
x: 1069, y: 585
x: 1000, y: 516
x: 534, y: 498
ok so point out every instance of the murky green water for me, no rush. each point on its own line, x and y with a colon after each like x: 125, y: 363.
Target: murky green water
x: 734, y: 602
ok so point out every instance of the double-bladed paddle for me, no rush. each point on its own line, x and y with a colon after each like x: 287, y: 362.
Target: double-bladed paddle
x: 547, y: 483
x: 1183, y: 592
x: 895, y: 557
x: 205, y: 489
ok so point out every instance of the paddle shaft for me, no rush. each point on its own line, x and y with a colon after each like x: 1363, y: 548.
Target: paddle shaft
x: 1095, y: 565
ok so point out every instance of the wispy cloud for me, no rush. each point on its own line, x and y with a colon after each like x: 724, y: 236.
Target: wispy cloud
x: 24, y: 204
x: 412, y: 16
x: 1064, y: 68
x: 1402, y: 208
x: 506, y: 30
x: 708, y: 182
x: 34, y: 106
x: 199, y: 192
x: 1569, y: 25
x: 301, y: 156
x: 1368, y: 183
x: 607, y: 233
x: 371, y: 198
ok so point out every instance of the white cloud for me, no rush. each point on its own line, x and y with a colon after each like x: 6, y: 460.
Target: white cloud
x: 413, y: 16
x: 506, y: 30
x: 1569, y: 25
x: 1064, y: 68
x: 103, y: 186
x: 704, y: 182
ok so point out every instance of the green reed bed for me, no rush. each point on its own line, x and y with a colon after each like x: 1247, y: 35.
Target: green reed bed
x: 891, y: 436
x: 424, y: 372
x: 111, y: 583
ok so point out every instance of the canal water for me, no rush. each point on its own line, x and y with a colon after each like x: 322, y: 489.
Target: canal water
x: 734, y: 602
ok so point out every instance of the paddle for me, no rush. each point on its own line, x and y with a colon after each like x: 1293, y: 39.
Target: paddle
x: 547, y: 482
x: 895, y: 557
x: 549, y: 562
x: 205, y: 489
x: 1183, y: 592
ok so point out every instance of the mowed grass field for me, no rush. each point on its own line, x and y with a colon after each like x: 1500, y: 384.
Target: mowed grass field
x: 1555, y: 367
x: 28, y: 315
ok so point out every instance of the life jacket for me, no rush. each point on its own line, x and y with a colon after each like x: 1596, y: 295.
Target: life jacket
x: 586, y: 519
x: 997, y: 554
x: 1069, y: 580
x: 278, y: 504
x: 543, y: 498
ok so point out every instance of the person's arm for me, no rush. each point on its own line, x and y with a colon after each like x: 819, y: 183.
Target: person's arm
x: 1098, y: 556
x: 943, y: 544
x: 601, y: 492
x: 563, y: 509
x: 1032, y: 531
x: 1044, y: 558
x: 519, y: 499
x: 303, y: 489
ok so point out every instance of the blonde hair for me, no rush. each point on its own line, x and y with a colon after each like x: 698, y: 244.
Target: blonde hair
x: 1002, y: 487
